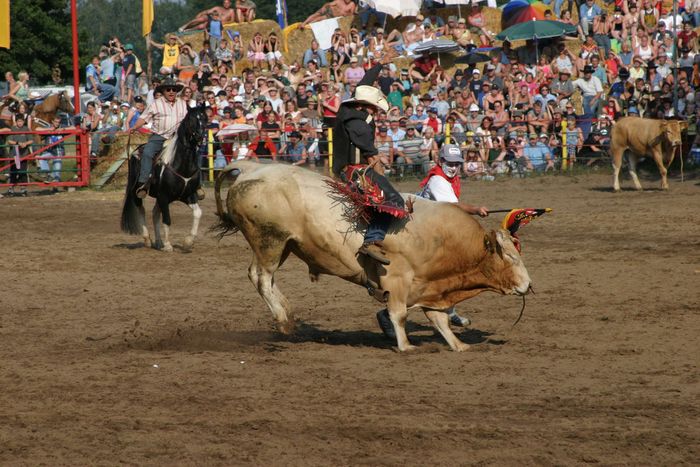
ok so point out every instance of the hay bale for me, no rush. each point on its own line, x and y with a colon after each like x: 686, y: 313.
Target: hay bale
x: 114, y: 151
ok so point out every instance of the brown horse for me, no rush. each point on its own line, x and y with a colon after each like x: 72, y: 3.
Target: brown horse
x: 45, y: 112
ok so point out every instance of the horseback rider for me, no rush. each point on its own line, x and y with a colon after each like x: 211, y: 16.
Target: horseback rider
x: 354, y: 144
x: 165, y: 115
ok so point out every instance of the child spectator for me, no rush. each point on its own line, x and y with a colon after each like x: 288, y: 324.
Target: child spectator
x: 20, y: 147
x: 214, y: 30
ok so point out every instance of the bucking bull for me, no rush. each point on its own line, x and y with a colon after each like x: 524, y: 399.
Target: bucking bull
x: 643, y: 136
x: 439, y: 257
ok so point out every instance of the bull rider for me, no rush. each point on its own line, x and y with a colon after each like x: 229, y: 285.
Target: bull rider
x: 354, y: 147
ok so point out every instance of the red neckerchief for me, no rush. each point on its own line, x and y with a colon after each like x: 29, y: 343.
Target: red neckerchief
x: 437, y: 170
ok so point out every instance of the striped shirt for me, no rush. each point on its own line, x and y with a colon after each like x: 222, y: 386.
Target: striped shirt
x: 165, y: 117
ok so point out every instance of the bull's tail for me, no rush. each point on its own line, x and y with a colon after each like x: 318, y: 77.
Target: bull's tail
x: 226, y: 224
x: 131, y: 221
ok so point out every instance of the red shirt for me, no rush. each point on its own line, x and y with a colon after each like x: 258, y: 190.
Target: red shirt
x: 425, y: 64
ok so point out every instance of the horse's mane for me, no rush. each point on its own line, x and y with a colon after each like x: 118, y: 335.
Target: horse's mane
x: 187, y: 138
x: 189, y: 130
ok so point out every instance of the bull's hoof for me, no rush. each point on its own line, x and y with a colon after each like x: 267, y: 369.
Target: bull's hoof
x: 287, y: 327
x: 461, y: 347
x: 167, y: 247
x: 407, y: 348
x: 147, y: 243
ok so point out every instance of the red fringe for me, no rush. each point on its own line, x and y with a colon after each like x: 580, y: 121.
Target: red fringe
x: 359, y: 203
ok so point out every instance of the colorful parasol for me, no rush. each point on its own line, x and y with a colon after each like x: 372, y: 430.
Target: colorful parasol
x: 519, y: 11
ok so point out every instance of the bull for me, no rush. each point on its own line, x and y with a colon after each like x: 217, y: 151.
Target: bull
x: 439, y: 257
x: 643, y: 136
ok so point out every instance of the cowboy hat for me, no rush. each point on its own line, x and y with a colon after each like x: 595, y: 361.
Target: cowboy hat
x: 169, y: 83
x: 370, y: 95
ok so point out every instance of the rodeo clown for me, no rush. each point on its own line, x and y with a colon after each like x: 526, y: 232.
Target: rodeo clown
x: 355, y: 155
x: 443, y: 184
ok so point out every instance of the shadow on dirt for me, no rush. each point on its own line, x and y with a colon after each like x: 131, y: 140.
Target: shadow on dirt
x: 221, y: 340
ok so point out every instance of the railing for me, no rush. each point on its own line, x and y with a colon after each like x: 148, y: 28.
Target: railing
x: 45, y: 162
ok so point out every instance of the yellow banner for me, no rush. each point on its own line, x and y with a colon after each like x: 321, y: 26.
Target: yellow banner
x: 5, y: 23
x: 147, y: 17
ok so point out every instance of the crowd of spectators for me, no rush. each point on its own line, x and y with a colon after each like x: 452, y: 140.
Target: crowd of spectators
x: 509, y: 114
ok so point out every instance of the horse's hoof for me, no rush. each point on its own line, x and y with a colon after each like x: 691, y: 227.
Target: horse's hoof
x: 188, y: 244
x: 168, y: 247
x: 147, y: 243
x: 461, y: 347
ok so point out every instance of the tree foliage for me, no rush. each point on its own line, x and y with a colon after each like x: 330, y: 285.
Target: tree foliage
x: 40, y: 33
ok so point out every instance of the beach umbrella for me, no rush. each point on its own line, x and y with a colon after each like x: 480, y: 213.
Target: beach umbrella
x: 459, y: 4
x: 396, y: 7
x: 473, y: 58
x: 536, y: 30
x: 236, y: 128
x: 437, y: 46
x: 520, y: 11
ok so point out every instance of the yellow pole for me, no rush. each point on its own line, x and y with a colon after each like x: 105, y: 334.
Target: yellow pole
x: 564, y: 152
x: 210, y: 153
x: 447, y: 133
x: 330, y: 149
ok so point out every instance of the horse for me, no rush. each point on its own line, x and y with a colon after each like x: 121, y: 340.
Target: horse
x: 175, y: 177
x: 50, y: 106
x: 43, y: 112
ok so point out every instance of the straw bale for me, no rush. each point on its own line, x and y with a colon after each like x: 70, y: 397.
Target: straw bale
x: 115, y: 151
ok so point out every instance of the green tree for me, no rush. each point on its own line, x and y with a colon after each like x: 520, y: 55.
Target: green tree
x: 40, y: 38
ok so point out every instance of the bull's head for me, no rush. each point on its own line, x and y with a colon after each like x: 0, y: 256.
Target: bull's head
x: 672, y: 129
x: 506, y: 269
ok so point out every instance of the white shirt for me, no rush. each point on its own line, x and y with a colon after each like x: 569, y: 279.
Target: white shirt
x: 439, y: 189
x: 590, y: 87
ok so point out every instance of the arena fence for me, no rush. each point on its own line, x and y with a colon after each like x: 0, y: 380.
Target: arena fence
x: 55, y: 158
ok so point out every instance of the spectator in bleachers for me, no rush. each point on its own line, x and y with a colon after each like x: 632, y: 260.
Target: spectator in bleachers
x: 171, y: 52
x: 588, y: 11
x: 294, y: 151
x: 538, y: 154
x: 245, y: 11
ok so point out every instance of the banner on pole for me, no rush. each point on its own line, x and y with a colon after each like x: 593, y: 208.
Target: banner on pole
x: 281, y: 10
x: 5, y: 24
x: 147, y: 17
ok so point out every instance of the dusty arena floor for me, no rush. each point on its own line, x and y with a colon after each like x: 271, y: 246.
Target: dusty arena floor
x: 111, y: 353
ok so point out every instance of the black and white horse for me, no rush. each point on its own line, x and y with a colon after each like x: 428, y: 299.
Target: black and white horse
x: 175, y: 177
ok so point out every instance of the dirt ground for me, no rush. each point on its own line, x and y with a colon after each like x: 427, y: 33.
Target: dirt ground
x: 111, y: 353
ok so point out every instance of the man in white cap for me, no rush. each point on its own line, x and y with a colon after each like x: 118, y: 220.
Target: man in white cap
x: 354, y: 145
x: 441, y: 184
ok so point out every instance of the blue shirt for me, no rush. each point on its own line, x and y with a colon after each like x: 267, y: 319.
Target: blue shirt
x: 589, y: 13
x: 537, y: 154
x: 91, y: 71
x: 215, y: 28
x: 107, y: 69
x: 398, y: 136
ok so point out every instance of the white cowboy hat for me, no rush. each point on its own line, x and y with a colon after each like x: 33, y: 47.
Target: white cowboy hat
x: 370, y: 95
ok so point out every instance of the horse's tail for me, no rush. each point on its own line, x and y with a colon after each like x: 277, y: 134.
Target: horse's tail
x: 226, y: 224
x: 131, y: 216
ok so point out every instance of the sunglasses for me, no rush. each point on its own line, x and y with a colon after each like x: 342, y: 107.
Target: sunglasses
x: 170, y: 89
